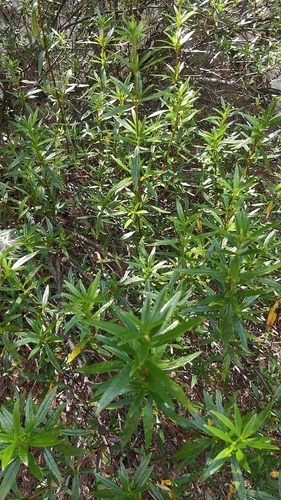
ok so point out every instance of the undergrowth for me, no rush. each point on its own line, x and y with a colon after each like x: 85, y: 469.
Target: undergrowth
x: 140, y: 261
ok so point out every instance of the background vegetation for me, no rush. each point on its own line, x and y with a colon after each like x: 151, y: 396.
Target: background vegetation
x: 140, y: 250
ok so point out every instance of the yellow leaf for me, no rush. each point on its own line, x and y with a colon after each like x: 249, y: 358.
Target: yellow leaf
x: 269, y: 208
x: 166, y: 482
x: 230, y: 492
x: 199, y: 225
x: 77, y: 349
x: 163, y: 486
x: 273, y: 315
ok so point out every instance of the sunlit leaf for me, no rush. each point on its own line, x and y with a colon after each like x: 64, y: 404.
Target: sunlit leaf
x: 273, y: 315
x: 77, y: 350
x: 269, y: 208
x: 23, y: 260
x: 218, y: 433
x: 7, y: 454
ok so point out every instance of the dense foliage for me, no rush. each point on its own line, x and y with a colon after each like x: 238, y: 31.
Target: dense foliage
x: 140, y: 250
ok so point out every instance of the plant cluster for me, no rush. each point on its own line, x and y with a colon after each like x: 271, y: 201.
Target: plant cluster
x: 140, y: 251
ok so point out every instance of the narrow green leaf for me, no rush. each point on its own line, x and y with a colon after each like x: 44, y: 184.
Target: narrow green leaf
x: 126, y: 354
x: 116, y: 110
x: 225, y: 453
x: 75, y: 486
x: 137, y: 402
x: 163, y: 308
x: 6, y: 438
x: 177, y: 363
x: 148, y: 423
x: 238, y: 420
x: 183, y: 422
x: 180, y: 212
x: 128, y: 125
x: 261, y: 271
x: 210, y: 469
x: 130, y: 426
x: 143, y: 353
x: 191, y: 449
x: 93, y: 290
x: 240, y: 457
x: 123, y: 60
x: 261, y: 443
x: 202, y: 271
x: 117, y: 384
x: 68, y: 450
x: 257, y: 495
x: 102, y: 367
x: 107, y: 326
x: 33, y: 466
x: 160, y: 395
x: 156, y: 492
x: 107, y: 494
x: 45, y: 439
x: 122, y: 165
x: 107, y: 482
x: 226, y: 421
x: 52, y: 466
x: 22, y: 452
x: 75, y: 292
x: 7, y: 454
x: 143, y: 472
x: 135, y: 167
x: 255, y: 422
x: 219, y: 403
x: 9, y: 478
x: 241, y: 332
x: 35, y: 22
x: 29, y: 410
x: 52, y: 358
x: 130, y: 336
x: 42, y: 411
x: 16, y: 418
x: 218, y: 433
x: 6, y: 421
x: 54, y: 418
x: 238, y: 479
x: 172, y: 387
x: 75, y: 432
x: 174, y: 333
x: 130, y: 320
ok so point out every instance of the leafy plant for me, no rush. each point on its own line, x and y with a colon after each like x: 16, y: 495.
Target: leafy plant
x: 230, y: 437
x: 140, y: 249
x: 139, y: 354
x: 17, y: 440
x: 130, y: 487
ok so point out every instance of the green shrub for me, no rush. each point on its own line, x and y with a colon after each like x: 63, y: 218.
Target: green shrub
x: 140, y: 251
